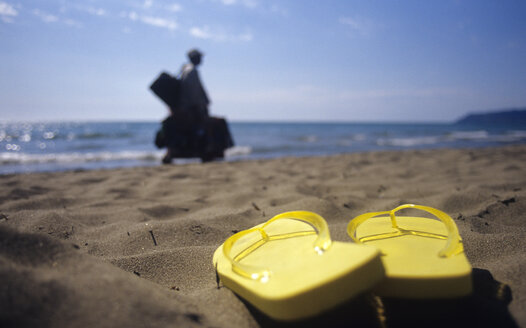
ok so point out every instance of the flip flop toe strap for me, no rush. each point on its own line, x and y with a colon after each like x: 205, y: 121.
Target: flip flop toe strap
x: 321, y: 244
x: 453, y: 243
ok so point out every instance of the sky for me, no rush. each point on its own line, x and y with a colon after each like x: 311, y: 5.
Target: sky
x: 265, y: 60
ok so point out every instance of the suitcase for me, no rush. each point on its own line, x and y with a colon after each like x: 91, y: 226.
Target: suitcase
x: 168, y: 88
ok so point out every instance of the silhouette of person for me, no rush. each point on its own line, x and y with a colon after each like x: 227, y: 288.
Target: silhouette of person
x: 193, y: 95
x: 191, y: 113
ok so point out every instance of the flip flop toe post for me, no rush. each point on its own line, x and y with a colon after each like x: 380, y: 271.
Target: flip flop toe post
x: 290, y: 269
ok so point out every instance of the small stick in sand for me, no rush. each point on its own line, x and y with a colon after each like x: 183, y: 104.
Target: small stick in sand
x: 153, y: 237
x: 255, y: 206
x: 217, y: 278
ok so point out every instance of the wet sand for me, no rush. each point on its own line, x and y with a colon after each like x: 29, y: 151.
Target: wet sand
x: 133, y: 247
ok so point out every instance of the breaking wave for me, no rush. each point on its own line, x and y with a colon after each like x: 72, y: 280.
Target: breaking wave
x: 69, y: 158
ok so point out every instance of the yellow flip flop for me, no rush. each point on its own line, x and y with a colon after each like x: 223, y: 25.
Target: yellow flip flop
x: 289, y: 268
x: 423, y: 258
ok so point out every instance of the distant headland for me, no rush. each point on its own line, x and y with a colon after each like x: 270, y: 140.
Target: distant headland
x: 516, y: 116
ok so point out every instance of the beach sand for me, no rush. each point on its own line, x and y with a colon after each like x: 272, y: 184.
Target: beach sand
x: 133, y: 247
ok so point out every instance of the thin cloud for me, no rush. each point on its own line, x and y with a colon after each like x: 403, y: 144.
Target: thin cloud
x: 360, y: 26
x: 174, y: 7
x: 71, y: 22
x: 246, y: 37
x: 148, y: 4
x: 245, y: 3
x: 85, y: 9
x: 45, y: 17
x: 132, y: 15
x: 50, y: 18
x: 206, y: 34
x: 261, y: 6
x: 201, y: 32
x: 159, y: 22
x: 7, y: 12
x: 96, y: 11
x: 153, y: 21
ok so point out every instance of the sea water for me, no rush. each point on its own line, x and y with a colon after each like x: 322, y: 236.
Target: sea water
x: 59, y: 146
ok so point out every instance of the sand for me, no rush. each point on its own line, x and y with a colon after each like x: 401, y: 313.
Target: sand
x: 133, y: 247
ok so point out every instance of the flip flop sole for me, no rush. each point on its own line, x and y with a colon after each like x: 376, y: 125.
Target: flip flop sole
x: 412, y: 265
x: 423, y: 258
x: 302, y: 282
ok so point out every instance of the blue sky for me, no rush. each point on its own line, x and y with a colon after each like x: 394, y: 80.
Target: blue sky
x: 264, y: 59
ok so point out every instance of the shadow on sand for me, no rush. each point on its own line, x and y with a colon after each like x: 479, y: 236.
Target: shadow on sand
x: 486, y: 307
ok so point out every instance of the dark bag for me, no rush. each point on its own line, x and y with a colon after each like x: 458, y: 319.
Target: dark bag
x: 207, y: 141
x: 160, y: 138
x: 220, y: 137
x: 174, y: 133
x: 168, y: 88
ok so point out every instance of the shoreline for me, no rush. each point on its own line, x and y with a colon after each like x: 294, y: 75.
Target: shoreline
x: 134, y: 245
x: 48, y: 147
x: 194, y: 161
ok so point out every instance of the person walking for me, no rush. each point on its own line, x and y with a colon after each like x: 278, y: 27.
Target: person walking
x: 194, y: 98
x: 191, y: 113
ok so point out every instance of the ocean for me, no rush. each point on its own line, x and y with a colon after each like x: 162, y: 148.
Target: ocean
x: 60, y: 146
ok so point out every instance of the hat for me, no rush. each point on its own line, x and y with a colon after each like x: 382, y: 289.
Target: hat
x: 194, y: 53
